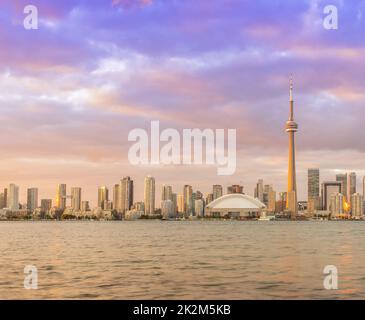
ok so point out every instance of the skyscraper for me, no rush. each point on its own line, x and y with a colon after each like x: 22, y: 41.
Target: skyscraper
x: 180, y: 203
x: 217, y: 191
x: 126, y: 194
x: 32, y: 199
x: 336, y: 204
x: 46, y: 205
x: 313, y: 190
x: 61, y: 196
x: 76, y: 198
x: 259, y: 190
x: 149, y: 195
x: 103, y: 194
x: 116, y: 197
x: 188, y: 200
x: 313, y: 183
x: 357, y: 205
x: 342, y: 177
x: 351, y: 185
x: 329, y: 189
x: 291, y: 127
x: 13, y: 197
x: 235, y: 188
x: 166, y: 193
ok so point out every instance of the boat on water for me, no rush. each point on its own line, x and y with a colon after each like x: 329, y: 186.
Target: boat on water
x: 264, y: 217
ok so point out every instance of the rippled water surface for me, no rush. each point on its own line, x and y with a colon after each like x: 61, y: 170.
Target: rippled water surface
x: 178, y: 260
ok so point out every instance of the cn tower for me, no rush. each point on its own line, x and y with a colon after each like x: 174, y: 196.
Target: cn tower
x: 291, y: 127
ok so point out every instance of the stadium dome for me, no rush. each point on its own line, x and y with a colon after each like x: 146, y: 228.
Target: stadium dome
x: 235, y: 205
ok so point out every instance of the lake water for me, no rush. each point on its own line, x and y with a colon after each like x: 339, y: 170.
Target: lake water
x: 182, y: 260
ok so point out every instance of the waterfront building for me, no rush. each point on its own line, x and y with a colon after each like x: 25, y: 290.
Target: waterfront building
x: 85, y: 206
x: 217, y: 191
x: 167, y: 209
x: 188, y: 200
x: 342, y: 177
x: 209, y: 198
x: 117, y: 192
x: 235, y: 189
x: 103, y: 194
x: 13, y: 197
x: 199, y: 208
x: 61, y: 196
x: 149, y: 195
x: 180, y: 203
x: 126, y: 194
x: 259, y: 190
x: 336, y: 206
x: 357, y: 205
x: 166, y: 193
x: 76, y: 198
x: 32, y: 199
x: 235, y: 205
x: 351, y: 185
x: 46, y: 205
x: 329, y: 188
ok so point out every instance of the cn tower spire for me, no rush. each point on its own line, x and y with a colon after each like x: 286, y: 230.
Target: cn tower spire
x: 291, y: 127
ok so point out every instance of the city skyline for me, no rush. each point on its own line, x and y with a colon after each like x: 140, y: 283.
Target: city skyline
x: 69, y: 96
x: 72, y: 197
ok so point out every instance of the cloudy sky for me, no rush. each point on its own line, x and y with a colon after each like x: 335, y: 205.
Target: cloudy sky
x: 71, y: 91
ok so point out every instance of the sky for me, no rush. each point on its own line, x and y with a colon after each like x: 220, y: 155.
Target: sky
x: 72, y: 90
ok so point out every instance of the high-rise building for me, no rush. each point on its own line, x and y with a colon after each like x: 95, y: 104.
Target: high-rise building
x: 46, y: 205
x: 76, y: 198
x: 85, y: 206
x: 281, y: 203
x: 199, y: 207
x: 180, y: 203
x: 313, y: 190
x: 235, y: 189
x: 336, y: 207
x: 166, y: 193
x: 13, y: 197
x: 32, y: 199
x: 357, y: 205
x: 313, y: 183
x: 259, y: 190
x: 149, y: 195
x: 116, y: 197
x: 271, y: 204
x: 103, y: 194
x: 188, y: 200
x: 174, y: 202
x: 61, y: 196
x: 291, y: 128
x: 363, y: 187
x: 351, y: 185
x: 217, y: 191
x: 328, y: 189
x: 209, y: 198
x: 167, y: 209
x: 5, y: 197
x: 2, y: 200
x: 342, y: 177
x: 126, y: 196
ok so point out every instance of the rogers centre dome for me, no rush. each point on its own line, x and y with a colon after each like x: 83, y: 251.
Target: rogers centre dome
x: 235, y: 205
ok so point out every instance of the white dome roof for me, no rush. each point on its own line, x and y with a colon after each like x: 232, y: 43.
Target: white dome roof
x: 236, y: 201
